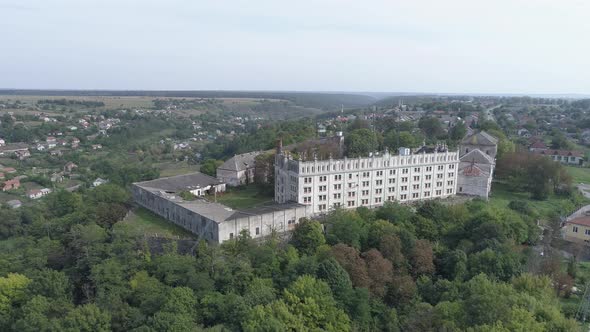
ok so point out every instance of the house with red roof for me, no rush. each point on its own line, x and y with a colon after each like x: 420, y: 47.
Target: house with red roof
x: 11, y: 184
x: 578, y: 229
x: 537, y: 145
x: 569, y: 157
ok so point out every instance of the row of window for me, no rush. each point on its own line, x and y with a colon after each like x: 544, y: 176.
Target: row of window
x: 367, y: 174
x: 379, y: 182
x: 386, y: 163
x: 365, y: 201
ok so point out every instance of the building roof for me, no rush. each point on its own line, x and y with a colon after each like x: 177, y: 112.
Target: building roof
x: 11, y: 147
x: 564, y: 153
x: 480, y: 138
x: 538, y: 145
x: 476, y: 156
x: 180, y: 182
x: 14, y: 202
x: 584, y: 221
x: 240, y: 162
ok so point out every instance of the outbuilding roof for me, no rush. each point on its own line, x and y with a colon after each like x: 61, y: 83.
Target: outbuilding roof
x: 180, y: 183
x: 480, y: 138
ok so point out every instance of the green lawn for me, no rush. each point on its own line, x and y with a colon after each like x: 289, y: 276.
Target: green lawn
x: 141, y: 221
x: 501, y: 196
x: 242, y: 198
x: 579, y: 174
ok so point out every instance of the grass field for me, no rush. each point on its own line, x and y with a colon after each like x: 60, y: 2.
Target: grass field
x: 579, y: 174
x: 143, y: 222
x: 242, y: 198
x: 501, y: 196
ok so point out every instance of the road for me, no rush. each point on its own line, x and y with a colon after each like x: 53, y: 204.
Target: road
x: 489, y: 113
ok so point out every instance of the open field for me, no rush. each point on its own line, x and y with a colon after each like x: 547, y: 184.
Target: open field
x: 144, y: 222
x: 555, y: 204
x: 579, y: 174
x: 111, y: 102
x: 242, y: 198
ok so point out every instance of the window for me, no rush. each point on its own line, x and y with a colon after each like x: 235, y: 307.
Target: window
x: 391, y: 189
x: 306, y: 180
x: 323, y: 178
x: 452, y: 166
x: 403, y: 197
x: 390, y: 198
x: 322, y: 197
x: 378, y: 191
x: 451, y: 174
x: 404, y: 188
x: 257, y: 230
x: 416, y: 178
x: 322, y: 207
x: 323, y: 188
x: 231, y: 235
x: 365, y: 183
x: 337, y: 186
x: 440, y: 167
x: 350, y: 203
x: 438, y: 192
x: 449, y: 191
x: 439, y: 184
x: 415, y: 195
x: 574, y: 229
x: 337, y: 196
x: 379, y: 173
x: 350, y: 176
x: 391, y: 181
x: 416, y: 187
x: 351, y: 194
x: 449, y: 183
x: 364, y: 201
x: 379, y: 182
x: 587, y: 232
x: 439, y: 176
x: 429, y: 168
x: 417, y: 169
x: 460, y: 189
x: 405, y: 171
x: 427, y: 194
x: 377, y: 199
x: 391, y: 172
x: 428, y: 177
x: 306, y: 190
x: 338, y: 177
x: 365, y: 193
x: 427, y: 185
x: 365, y: 174
x: 307, y: 200
x: 404, y: 179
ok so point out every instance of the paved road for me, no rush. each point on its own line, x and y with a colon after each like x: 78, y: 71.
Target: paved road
x: 489, y: 113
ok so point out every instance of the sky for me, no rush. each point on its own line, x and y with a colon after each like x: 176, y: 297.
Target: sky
x: 431, y: 46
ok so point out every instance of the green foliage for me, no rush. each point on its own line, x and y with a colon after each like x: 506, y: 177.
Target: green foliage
x: 209, y: 167
x: 308, y: 236
x: 361, y: 142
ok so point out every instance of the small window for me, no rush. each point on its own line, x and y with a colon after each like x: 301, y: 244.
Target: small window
x: 231, y: 236
x: 257, y: 230
x: 587, y: 232
x: 575, y: 229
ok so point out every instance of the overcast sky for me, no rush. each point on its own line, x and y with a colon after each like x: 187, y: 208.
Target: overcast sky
x: 450, y: 46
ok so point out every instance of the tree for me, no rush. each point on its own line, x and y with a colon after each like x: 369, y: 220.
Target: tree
x: 349, y: 259
x: 380, y: 270
x: 431, y: 127
x: 361, y: 142
x: 209, y: 167
x: 87, y: 318
x: 308, y: 236
x: 312, y: 301
x: 458, y: 131
x: 422, y: 258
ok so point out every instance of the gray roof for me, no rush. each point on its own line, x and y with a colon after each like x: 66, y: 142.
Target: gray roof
x: 219, y: 212
x: 477, y: 157
x: 180, y: 183
x: 481, y: 138
x: 11, y: 147
x: 240, y: 162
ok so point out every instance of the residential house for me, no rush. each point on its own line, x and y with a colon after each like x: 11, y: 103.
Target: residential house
x: 38, y: 193
x: 51, y: 142
x: 9, y: 170
x: 99, y: 182
x: 538, y: 146
x: 69, y: 167
x: 568, y: 157
x: 2, y: 142
x: 57, y: 177
x: 22, y: 154
x: 75, y: 142
x: 11, y: 184
x: 96, y: 146
x: 577, y: 229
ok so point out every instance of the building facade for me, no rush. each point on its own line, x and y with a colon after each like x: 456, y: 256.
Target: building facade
x: 370, y: 182
x: 238, y: 170
x: 215, y: 222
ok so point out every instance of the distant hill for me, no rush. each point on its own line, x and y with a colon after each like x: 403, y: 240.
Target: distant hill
x: 321, y: 100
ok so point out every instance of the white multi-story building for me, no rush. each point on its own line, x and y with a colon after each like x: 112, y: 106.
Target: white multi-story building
x: 368, y: 181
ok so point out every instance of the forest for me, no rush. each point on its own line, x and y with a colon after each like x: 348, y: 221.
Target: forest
x: 68, y: 265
